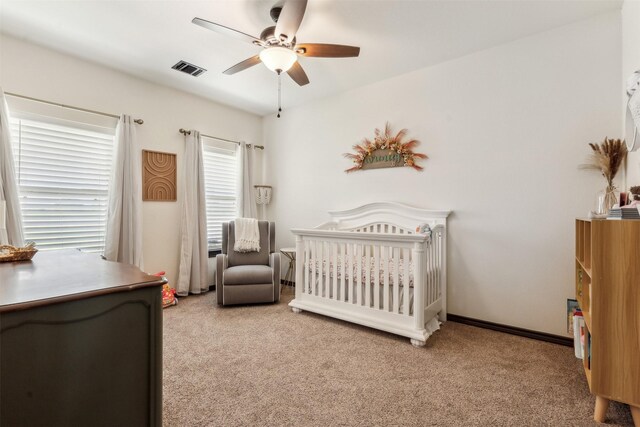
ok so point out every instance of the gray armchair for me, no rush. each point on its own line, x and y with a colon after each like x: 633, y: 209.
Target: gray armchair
x: 248, y: 277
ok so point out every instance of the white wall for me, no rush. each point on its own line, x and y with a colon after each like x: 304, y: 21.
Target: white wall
x: 38, y: 72
x: 505, y: 130
x: 631, y: 63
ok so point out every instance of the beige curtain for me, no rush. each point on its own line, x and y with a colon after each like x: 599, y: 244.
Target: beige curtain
x: 247, y: 203
x: 10, y: 214
x: 123, y: 241
x: 194, y: 256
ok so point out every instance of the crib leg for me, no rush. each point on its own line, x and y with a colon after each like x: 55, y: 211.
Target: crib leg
x: 417, y: 343
x: 296, y: 310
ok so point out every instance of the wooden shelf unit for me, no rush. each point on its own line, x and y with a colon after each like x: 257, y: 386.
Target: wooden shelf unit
x: 608, y: 291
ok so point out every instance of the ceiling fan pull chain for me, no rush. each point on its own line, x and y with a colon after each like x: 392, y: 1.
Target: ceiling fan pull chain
x: 279, y: 92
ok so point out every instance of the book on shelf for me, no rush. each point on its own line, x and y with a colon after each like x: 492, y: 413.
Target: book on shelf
x: 624, y: 213
x: 572, y: 308
x: 578, y: 334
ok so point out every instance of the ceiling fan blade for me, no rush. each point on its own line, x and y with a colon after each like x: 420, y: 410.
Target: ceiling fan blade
x: 290, y: 19
x: 226, y: 30
x: 254, y: 60
x: 297, y: 74
x: 322, y: 50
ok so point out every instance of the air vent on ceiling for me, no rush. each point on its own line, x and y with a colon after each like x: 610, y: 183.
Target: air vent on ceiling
x: 185, y: 67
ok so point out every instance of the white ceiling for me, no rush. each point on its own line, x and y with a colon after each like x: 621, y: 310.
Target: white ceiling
x: 146, y: 37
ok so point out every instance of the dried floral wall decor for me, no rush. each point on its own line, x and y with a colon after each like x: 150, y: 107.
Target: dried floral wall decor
x: 385, y: 151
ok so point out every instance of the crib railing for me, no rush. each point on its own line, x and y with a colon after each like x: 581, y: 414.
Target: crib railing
x: 379, y: 267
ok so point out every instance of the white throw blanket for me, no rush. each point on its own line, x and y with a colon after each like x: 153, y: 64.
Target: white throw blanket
x: 247, y: 235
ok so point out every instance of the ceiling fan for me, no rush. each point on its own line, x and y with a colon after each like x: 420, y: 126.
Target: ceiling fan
x: 280, y: 47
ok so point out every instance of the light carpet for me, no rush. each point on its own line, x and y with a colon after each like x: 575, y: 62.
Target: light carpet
x: 264, y: 365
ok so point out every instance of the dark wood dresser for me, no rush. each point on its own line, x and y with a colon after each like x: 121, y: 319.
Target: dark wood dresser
x: 80, y: 342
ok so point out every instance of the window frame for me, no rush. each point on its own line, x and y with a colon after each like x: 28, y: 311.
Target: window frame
x: 58, y: 128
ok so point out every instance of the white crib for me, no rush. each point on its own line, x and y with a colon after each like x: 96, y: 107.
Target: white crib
x: 369, y: 266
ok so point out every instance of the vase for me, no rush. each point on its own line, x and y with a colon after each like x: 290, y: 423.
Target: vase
x: 610, y: 198
x: 600, y: 206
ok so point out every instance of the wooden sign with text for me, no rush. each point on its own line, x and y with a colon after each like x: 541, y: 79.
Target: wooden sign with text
x: 379, y: 159
x: 385, y: 151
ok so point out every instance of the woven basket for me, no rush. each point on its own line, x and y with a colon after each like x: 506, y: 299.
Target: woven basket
x: 10, y: 253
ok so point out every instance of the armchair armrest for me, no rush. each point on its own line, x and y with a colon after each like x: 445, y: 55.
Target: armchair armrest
x: 221, y: 265
x: 274, y: 263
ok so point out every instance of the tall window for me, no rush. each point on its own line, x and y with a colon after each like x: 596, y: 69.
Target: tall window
x: 63, y: 173
x: 221, y: 181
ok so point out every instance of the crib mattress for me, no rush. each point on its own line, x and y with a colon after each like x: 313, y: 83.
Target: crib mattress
x: 326, y: 290
x: 365, y: 263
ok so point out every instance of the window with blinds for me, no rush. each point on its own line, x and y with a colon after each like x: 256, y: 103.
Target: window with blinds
x: 221, y: 181
x: 63, y: 176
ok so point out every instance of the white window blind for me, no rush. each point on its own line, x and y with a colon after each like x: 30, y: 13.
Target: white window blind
x: 221, y: 180
x: 63, y: 176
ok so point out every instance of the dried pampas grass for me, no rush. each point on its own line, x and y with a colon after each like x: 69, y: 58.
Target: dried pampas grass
x: 606, y: 158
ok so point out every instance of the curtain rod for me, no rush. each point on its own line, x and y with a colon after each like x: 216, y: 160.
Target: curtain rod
x: 138, y: 121
x: 188, y: 132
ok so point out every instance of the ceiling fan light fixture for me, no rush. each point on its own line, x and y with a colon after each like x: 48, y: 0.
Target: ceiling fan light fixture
x: 278, y: 58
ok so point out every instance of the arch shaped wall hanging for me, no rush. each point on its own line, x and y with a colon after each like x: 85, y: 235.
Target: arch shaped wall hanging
x: 159, y: 176
x: 385, y: 151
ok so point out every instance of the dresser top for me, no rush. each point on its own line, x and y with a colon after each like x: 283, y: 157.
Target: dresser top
x: 65, y: 275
